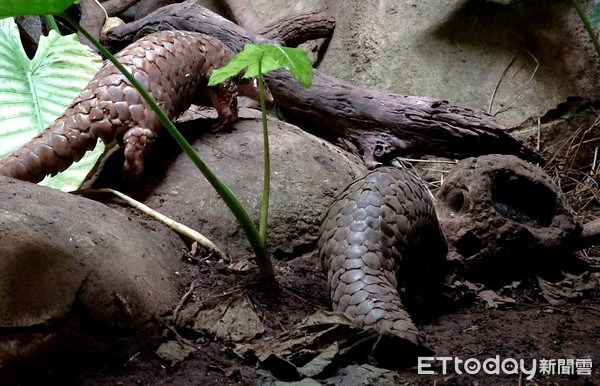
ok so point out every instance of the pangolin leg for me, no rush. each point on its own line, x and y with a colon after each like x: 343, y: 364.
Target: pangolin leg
x: 137, y: 142
x: 223, y: 98
x: 173, y: 66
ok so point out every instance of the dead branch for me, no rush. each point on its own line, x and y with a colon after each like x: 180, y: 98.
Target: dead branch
x: 295, y: 30
x: 312, y: 29
x: 244, y: 14
x: 92, y: 19
x: 146, y: 7
x: 184, y: 16
x: 379, y: 124
x: 290, y: 31
x: 116, y: 7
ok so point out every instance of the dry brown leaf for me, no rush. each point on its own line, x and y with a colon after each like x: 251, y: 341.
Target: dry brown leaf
x: 231, y: 317
x: 493, y: 300
x: 174, y: 352
x: 571, y: 287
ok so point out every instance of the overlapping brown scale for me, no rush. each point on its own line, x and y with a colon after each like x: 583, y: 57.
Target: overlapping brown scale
x: 365, y: 238
x: 172, y: 65
x: 32, y: 159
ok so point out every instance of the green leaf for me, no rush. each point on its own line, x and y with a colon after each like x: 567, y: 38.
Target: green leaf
x: 33, y: 93
x: 273, y: 58
x: 10, y: 8
x: 595, y: 15
x: 72, y: 178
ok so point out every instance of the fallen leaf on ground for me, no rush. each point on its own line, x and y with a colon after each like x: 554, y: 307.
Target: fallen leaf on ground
x: 493, y: 300
x: 174, y: 352
x: 571, y: 287
x: 320, y: 363
x: 362, y: 375
x: 322, y: 343
x: 230, y: 317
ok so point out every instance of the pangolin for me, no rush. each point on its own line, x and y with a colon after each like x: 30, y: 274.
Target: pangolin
x: 382, y: 232
x: 174, y: 66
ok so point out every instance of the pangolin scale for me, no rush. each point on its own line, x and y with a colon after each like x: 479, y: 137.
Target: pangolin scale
x: 382, y: 231
x: 174, y: 66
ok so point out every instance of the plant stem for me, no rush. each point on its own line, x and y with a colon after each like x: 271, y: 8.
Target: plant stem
x: 264, y: 208
x: 587, y: 25
x: 240, y: 213
x: 51, y: 23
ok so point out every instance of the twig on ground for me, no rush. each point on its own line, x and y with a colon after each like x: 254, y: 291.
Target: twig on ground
x: 184, y: 299
x: 177, y: 227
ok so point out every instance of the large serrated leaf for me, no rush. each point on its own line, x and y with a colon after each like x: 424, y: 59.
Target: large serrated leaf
x: 272, y: 57
x: 33, y: 93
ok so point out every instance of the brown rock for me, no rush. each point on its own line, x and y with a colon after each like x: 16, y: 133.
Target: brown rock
x: 76, y: 278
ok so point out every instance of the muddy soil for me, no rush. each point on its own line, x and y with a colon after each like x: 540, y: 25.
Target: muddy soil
x: 528, y: 329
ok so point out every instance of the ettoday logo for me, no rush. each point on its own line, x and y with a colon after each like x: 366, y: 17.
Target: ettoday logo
x: 497, y: 366
x: 491, y: 366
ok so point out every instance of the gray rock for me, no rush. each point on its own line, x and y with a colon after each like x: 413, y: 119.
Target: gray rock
x: 307, y: 174
x: 458, y: 50
x: 71, y: 270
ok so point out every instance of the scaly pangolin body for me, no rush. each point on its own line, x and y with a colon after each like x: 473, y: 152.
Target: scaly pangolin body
x: 173, y: 66
x: 382, y: 231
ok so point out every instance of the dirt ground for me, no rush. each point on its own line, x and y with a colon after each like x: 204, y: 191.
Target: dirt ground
x: 528, y: 329
x: 466, y: 326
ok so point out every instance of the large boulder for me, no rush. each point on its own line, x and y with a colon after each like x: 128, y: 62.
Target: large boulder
x: 306, y: 175
x: 78, y: 279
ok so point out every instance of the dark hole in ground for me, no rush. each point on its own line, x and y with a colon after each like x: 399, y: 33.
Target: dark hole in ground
x: 522, y: 200
x: 468, y: 245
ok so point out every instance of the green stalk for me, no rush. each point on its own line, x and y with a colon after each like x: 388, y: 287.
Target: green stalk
x: 252, y: 234
x: 587, y: 25
x: 264, y: 208
x: 51, y: 23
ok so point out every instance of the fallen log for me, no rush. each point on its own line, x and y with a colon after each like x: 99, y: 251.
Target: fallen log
x: 378, y: 125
